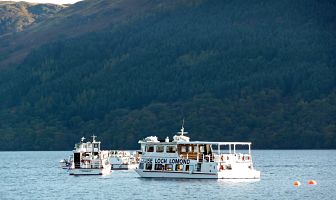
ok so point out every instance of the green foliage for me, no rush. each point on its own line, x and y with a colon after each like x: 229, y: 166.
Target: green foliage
x: 258, y: 71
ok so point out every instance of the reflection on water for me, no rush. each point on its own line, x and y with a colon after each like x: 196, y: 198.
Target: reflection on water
x: 237, y: 181
x: 36, y: 175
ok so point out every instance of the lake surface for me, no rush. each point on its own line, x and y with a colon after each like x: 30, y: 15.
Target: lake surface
x: 37, y: 175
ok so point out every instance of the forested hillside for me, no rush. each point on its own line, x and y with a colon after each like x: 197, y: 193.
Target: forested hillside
x: 260, y: 71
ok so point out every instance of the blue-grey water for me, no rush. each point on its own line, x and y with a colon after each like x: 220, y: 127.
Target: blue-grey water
x: 37, y: 175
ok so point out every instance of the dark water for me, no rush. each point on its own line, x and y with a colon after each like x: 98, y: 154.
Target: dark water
x: 36, y: 175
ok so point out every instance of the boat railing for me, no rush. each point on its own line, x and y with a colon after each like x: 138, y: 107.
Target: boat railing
x: 224, y: 157
x: 237, y: 157
x: 207, y: 158
x: 198, y: 156
x: 90, y: 165
x: 191, y: 156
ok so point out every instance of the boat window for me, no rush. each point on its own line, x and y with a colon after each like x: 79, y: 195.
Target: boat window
x: 208, y: 149
x: 159, y: 148
x: 198, y: 167
x: 187, y: 167
x: 195, y: 149
x: 179, y: 167
x: 95, y: 145
x: 171, y: 149
x: 168, y: 167
x: 158, y: 167
x: 141, y: 166
x: 183, y: 149
x: 201, y: 149
x: 149, y: 166
x: 150, y: 148
x: 190, y: 149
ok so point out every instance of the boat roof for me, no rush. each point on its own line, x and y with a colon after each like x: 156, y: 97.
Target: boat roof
x: 217, y: 143
x: 182, y: 139
x: 199, y: 142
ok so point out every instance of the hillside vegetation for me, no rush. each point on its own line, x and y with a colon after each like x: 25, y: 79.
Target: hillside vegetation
x: 260, y: 71
x: 16, y: 16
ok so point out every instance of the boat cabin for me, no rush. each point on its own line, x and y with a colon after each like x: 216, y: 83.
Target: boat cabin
x: 87, y: 154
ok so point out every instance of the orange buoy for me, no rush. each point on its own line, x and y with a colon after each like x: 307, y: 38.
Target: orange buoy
x: 297, y: 183
x: 312, y: 182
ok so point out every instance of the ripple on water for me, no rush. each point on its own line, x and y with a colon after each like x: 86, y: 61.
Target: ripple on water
x: 38, y: 176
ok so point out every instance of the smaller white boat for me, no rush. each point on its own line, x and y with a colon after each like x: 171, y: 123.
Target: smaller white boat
x: 66, y: 163
x: 88, y: 159
x: 124, y: 160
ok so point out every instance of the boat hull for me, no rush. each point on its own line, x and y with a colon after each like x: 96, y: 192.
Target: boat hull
x: 90, y: 171
x: 86, y: 172
x: 123, y: 166
x: 199, y: 175
x: 65, y: 165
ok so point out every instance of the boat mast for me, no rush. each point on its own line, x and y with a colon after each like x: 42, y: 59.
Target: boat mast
x: 93, y: 144
x: 182, y: 129
x: 93, y: 138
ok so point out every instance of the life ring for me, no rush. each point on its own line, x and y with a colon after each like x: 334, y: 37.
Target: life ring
x: 221, y: 167
x: 222, y: 158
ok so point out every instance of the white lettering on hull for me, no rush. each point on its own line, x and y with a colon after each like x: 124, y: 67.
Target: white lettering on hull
x: 166, y: 161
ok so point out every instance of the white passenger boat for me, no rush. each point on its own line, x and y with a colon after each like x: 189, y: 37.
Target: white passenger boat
x: 88, y: 159
x: 123, y: 160
x: 182, y: 158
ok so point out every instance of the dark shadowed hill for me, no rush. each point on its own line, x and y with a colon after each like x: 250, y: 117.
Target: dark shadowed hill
x: 78, y: 19
x: 263, y: 71
x: 15, y: 18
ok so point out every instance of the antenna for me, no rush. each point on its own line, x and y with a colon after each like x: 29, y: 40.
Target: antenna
x: 182, y: 129
x: 93, y: 138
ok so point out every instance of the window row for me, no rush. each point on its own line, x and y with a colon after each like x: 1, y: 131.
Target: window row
x: 172, y: 149
x: 168, y: 167
x: 160, y: 148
